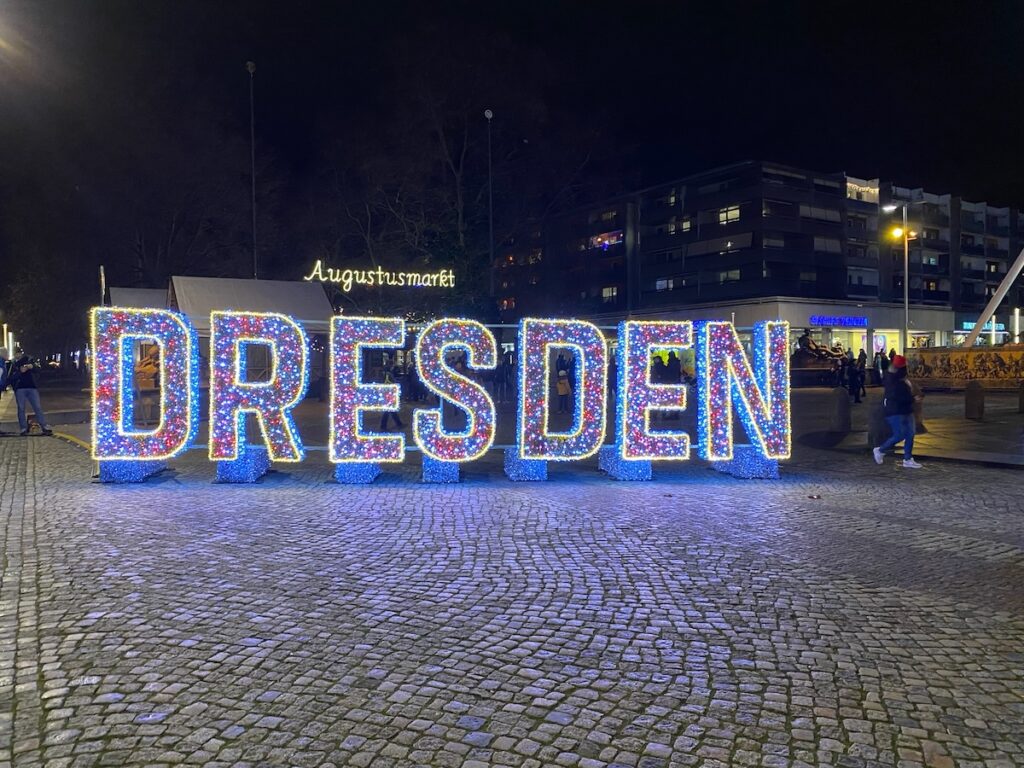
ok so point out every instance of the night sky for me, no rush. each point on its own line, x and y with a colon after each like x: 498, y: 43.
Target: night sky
x: 111, y: 108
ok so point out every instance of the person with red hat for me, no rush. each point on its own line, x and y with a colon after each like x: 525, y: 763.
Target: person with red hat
x: 899, y: 412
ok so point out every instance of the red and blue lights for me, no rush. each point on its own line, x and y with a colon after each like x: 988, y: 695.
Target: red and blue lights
x: 452, y: 357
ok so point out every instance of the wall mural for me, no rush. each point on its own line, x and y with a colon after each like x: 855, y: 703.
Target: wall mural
x: 951, y: 367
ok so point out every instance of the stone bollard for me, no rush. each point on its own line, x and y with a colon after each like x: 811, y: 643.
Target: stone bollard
x: 974, y: 401
x: 878, y: 427
x: 839, y: 413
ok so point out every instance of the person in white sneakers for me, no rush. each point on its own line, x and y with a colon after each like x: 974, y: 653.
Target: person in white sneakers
x: 899, y: 412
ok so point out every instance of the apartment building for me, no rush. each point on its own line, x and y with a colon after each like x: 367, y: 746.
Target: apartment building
x: 737, y: 240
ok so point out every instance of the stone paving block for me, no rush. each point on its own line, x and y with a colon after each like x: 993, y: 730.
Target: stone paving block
x: 699, y: 620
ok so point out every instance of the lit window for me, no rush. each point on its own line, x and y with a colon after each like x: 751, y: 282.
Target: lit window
x: 508, y: 303
x: 931, y: 285
x: 609, y: 293
x: 684, y: 225
x: 728, y: 215
x: 729, y: 276
x: 664, y: 284
x: 536, y: 255
x: 606, y: 240
x: 609, y: 215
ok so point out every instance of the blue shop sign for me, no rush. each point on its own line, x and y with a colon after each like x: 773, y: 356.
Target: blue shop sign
x: 839, y: 321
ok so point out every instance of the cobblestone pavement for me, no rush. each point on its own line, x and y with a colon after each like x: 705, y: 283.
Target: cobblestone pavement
x: 846, y: 615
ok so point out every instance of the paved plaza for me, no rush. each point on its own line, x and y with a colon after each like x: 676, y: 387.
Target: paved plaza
x: 846, y: 615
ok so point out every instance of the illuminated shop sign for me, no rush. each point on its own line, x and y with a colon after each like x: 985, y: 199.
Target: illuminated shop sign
x: 350, y: 278
x: 839, y: 321
x: 967, y: 325
x: 727, y: 382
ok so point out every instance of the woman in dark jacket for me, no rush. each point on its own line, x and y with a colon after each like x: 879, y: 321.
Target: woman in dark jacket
x: 899, y: 412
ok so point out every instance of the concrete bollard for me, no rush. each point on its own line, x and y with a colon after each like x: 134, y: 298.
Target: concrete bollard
x: 878, y: 427
x: 1020, y: 398
x: 974, y: 401
x: 839, y: 413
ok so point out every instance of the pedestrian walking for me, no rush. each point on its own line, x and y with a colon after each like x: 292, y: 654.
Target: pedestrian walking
x: 564, y: 390
x: 22, y: 381
x: 899, y: 412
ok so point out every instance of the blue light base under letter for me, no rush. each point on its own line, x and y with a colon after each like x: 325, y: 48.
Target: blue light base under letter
x: 128, y: 470
x: 748, y: 463
x: 252, y: 463
x: 610, y: 460
x: 356, y: 473
x: 435, y: 471
x: 524, y: 470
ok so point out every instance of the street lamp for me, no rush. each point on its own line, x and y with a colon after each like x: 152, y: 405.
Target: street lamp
x: 906, y: 235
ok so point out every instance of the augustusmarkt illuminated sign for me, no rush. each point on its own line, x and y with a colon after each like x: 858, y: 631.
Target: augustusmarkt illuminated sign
x: 378, y: 276
x: 727, y: 381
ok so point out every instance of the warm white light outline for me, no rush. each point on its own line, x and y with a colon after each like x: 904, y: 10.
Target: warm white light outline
x: 625, y: 391
x: 396, y: 443
x: 298, y: 452
x: 578, y: 402
x: 432, y: 417
x: 119, y: 398
x: 761, y: 337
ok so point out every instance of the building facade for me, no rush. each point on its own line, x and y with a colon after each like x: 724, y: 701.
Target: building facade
x: 731, y: 238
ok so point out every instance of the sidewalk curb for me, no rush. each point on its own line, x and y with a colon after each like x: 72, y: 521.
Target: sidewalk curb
x: 73, y: 440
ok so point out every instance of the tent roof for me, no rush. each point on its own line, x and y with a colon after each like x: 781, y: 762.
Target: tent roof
x: 305, y: 302
x: 138, y: 298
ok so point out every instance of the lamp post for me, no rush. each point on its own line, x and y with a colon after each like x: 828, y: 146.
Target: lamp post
x: 904, y: 233
x: 251, y: 67
x: 490, y: 200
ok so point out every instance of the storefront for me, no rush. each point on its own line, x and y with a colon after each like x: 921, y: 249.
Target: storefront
x: 856, y: 327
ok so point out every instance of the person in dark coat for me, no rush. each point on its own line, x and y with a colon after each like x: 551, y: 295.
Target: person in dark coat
x: 899, y: 412
x: 853, y: 380
x: 22, y: 381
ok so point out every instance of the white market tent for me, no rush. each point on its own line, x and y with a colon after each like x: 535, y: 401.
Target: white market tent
x: 138, y: 298
x: 304, y: 302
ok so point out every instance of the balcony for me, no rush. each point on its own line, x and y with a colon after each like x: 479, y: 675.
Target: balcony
x: 972, y: 274
x: 862, y: 291
x: 994, y: 277
x: 935, y: 244
x: 996, y: 252
x: 935, y: 296
x: 935, y: 269
x: 970, y: 224
x: 1001, y: 230
x: 975, y: 250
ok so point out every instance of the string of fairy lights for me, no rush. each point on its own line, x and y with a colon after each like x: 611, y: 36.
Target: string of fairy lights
x: 232, y: 334
x: 759, y: 395
x: 435, y: 341
x: 726, y: 381
x: 113, y: 332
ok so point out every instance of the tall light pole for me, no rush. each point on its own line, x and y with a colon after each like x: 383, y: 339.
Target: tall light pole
x: 251, y: 67
x: 905, y: 233
x: 490, y: 199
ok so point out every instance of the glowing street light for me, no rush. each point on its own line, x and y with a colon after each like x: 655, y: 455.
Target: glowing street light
x: 903, y: 233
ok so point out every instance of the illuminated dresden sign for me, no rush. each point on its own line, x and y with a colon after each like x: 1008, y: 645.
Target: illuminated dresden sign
x: 727, y: 383
x: 349, y: 278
